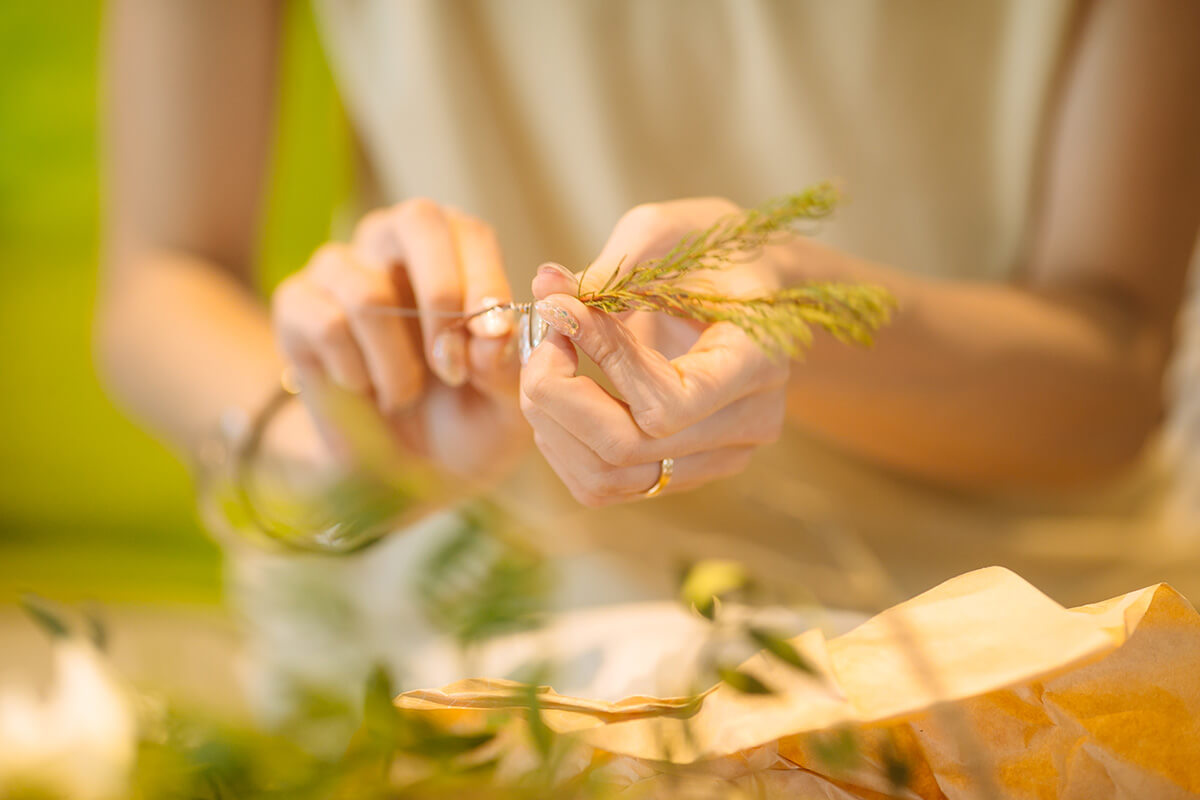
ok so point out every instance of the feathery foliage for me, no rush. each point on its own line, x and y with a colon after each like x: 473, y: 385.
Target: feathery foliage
x: 781, y: 321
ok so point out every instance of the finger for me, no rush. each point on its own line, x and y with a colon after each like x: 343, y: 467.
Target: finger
x: 554, y: 278
x: 494, y: 368
x: 605, y: 425
x: 415, y: 237
x: 665, y: 396
x: 484, y: 281
x: 722, y: 366
x: 594, y: 482
x: 314, y: 331
x: 643, y: 377
x: 492, y: 363
x: 392, y: 359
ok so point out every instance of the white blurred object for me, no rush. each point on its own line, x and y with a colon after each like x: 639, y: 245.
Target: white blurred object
x: 617, y: 651
x: 79, y: 741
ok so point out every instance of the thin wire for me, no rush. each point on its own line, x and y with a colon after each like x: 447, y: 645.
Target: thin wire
x: 416, y: 313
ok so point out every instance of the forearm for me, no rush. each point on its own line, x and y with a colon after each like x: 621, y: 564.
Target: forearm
x: 985, y: 384
x: 180, y: 341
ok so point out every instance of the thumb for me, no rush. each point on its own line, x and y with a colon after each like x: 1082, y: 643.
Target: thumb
x: 645, y: 379
x: 554, y: 279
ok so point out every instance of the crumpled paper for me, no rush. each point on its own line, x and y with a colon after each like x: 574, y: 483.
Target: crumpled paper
x: 983, y: 686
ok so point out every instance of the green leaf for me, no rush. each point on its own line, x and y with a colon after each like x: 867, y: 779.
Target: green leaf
x: 709, y: 579
x: 437, y: 744
x: 897, y: 768
x: 539, y: 732
x: 97, y: 631
x: 379, y: 713
x: 782, y: 649
x: 476, y: 585
x: 837, y: 750
x: 39, y: 611
x: 743, y: 682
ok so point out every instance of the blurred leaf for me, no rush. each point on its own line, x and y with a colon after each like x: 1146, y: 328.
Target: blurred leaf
x: 782, y: 649
x: 709, y: 579
x: 442, y: 745
x: 539, y: 732
x: 837, y: 750
x: 896, y: 766
x: 97, y: 631
x: 379, y: 713
x: 40, y: 612
x: 409, y: 732
x: 743, y: 682
x: 476, y: 586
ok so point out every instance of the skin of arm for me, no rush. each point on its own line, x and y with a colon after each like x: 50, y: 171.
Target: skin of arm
x: 190, y: 91
x: 1056, y: 378
x: 181, y: 336
x: 1052, y: 380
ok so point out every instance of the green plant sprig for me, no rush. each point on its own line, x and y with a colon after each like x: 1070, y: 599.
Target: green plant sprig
x: 779, y: 322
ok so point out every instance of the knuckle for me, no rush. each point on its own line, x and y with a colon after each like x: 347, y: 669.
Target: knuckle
x: 643, y: 216
x: 284, y: 299
x: 536, y: 388
x: 610, y: 483
x: 528, y: 409
x: 654, y: 421
x: 366, y: 290
x: 533, y: 415
x: 330, y: 328
x: 588, y: 498
x: 372, y: 221
x: 329, y: 256
x: 735, y: 462
x: 609, y: 355
x: 373, y: 235
x: 618, y: 451
x: 418, y: 211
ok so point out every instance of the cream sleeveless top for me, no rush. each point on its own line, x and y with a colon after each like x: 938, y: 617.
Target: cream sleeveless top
x: 549, y: 119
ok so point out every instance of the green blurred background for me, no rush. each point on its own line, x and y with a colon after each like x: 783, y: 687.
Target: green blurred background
x: 90, y: 506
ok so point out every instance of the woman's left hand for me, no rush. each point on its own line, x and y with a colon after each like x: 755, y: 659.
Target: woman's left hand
x: 708, y: 408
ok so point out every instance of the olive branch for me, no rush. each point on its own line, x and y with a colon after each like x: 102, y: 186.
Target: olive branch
x: 780, y: 322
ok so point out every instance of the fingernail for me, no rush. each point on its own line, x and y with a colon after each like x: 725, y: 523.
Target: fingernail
x: 450, y: 357
x: 492, y: 324
x: 530, y: 333
x: 558, y: 318
x: 550, y: 268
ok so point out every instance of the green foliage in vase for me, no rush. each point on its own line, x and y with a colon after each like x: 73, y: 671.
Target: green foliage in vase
x: 483, y: 581
x: 781, y: 322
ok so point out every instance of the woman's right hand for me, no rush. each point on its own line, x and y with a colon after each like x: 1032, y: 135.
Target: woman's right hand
x: 447, y: 391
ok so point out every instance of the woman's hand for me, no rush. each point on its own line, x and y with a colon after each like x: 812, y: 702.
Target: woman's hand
x: 708, y: 408
x: 447, y: 391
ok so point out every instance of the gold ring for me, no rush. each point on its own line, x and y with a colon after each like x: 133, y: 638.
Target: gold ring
x: 665, y: 470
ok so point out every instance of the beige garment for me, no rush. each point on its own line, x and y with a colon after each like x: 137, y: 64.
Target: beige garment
x: 549, y: 118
